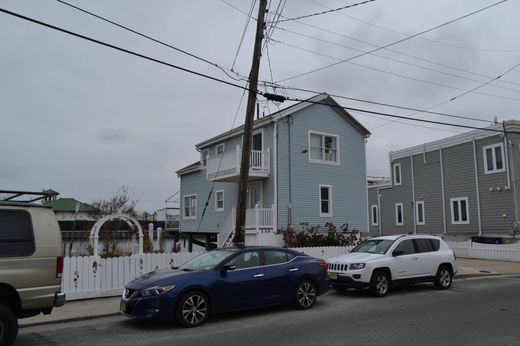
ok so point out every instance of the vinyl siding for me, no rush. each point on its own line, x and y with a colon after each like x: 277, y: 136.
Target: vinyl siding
x: 515, y: 174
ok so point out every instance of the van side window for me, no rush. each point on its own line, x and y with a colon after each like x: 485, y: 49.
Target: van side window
x: 16, y: 233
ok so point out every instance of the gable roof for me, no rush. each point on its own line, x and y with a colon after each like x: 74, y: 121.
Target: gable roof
x: 321, y: 99
x: 188, y: 169
x: 68, y: 205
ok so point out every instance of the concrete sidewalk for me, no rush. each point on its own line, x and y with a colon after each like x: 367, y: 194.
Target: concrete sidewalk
x: 100, y: 307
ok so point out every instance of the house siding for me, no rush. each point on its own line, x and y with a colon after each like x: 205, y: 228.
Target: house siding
x: 515, y: 173
x: 299, y: 179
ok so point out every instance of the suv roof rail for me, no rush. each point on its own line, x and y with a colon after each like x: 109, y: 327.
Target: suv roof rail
x: 24, y: 196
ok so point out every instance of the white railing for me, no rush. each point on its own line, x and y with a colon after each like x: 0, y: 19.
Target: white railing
x: 228, y: 164
x: 225, y: 236
x: 502, y: 252
x: 260, y: 218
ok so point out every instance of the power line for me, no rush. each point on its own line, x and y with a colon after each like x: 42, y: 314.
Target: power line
x: 243, y: 31
x: 393, y: 43
x: 148, y: 37
x: 397, y: 60
x: 121, y: 49
x: 325, y: 12
x: 420, y: 38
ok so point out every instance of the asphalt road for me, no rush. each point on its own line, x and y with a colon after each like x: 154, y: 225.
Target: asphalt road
x: 473, y: 312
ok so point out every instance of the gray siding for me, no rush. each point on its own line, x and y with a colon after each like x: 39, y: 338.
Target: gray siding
x: 515, y: 174
x: 298, y: 185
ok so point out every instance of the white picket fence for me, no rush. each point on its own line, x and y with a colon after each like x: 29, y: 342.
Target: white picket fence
x: 87, y: 277
x: 502, y: 252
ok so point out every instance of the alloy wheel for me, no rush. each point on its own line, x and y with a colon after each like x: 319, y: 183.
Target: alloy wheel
x: 306, y: 294
x: 445, y: 278
x: 382, y: 284
x: 194, y: 309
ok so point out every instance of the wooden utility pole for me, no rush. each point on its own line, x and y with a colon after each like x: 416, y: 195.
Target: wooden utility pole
x: 238, y: 239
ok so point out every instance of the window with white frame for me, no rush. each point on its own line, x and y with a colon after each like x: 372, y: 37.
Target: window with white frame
x: 459, y: 211
x: 219, y: 150
x: 419, y: 213
x: 219, y: 200
x: 397, y: 173
x: 190, y: 207
x: 374, y: 215
x: 399, y: 214
x: 323, y: 148
x: 494, y: 158
x: 204, y: 154
x: 325, y: 201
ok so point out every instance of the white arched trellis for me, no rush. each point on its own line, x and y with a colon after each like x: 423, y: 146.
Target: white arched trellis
x: 130, y: 220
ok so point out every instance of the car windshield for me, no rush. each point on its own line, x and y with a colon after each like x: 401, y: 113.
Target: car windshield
x: 377, y: 246
x: 206, y: 261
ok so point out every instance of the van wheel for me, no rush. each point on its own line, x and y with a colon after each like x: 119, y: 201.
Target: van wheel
x: 8, y: 325
x: 379, y: 284
x: 443, y: 278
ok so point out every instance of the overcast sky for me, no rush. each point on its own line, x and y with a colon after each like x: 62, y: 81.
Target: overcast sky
x: 84, y: 119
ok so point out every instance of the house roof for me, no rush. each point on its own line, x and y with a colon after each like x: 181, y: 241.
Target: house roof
x: 321, y: 98
x: 188, y: 169
x: 68, y: 205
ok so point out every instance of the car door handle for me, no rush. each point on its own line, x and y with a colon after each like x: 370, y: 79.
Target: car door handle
x: 258, y: 275
x: 294, y: 269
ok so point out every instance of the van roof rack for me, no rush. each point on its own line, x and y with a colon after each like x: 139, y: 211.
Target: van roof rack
x: 25, y: 196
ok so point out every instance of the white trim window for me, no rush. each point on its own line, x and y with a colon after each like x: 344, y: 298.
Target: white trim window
x: 419, y: 213
x: 459, y: 211
x: 323, y: 148
x: 374, y: 215
x: 220, y: 148
x: 204, y: 154
x: 494, y: 158
x: 396, y: 169
x: 399, y: 216
x: 325, y: 201
x: 219, y: 200
x: 189, y: 207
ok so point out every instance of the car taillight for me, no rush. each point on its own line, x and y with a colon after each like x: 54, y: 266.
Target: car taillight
x: 324, y: 265
x: 59, y: 267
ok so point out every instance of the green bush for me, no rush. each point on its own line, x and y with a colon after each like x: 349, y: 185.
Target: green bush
x: 313, y: 236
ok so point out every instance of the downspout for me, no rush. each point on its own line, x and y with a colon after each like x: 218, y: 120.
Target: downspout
x: 512, y: 184
x: 369, y: 208
x: 289, y: 207
x: 506, y: 150
x: 413, y: 197
x: 442, y: 191
x: 477, y: 187
x: 379, y: 213
x: 275, y: 173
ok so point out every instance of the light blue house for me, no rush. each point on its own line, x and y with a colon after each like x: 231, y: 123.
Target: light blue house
x: 307, y: 167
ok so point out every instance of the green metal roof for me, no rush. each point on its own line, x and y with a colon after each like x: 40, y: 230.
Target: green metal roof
x: 68, y: 205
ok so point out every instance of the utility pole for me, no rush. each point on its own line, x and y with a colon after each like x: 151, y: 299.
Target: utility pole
x: 238, y: 239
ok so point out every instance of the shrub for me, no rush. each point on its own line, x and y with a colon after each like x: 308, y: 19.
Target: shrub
x: 312, y: 236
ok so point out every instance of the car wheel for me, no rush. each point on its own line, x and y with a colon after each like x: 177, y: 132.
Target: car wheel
x: 443, y: 278
x: 305, y: 295
x: 8, y: 325
x: 192, y: 309
x: 379, y: 284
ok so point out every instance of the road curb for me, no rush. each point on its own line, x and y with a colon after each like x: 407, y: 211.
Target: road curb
x: 66, y: 320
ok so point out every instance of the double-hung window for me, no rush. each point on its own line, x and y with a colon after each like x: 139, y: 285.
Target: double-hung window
x: 323, y: 148
x: 396, y: 167
x: 399, y: 221
x: 374, y: 215
x: 190, y: 207
x: 219, y: 200
x: 494, y: 158
x: 419, y: 213
x: 325, y: 201
x: 204, y: 154
x: 459, y: 211
x: 219, y: 150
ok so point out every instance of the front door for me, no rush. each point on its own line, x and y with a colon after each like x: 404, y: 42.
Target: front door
x: 255, y: 195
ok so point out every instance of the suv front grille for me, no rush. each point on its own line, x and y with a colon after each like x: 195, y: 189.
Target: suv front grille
x: 338, y: 267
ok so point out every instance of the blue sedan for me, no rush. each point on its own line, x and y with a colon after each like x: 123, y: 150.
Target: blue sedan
x: 225, y: 280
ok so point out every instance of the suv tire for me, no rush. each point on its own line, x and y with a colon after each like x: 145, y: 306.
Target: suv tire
x: 8, y: 325
x: 443, y: 278
x: 379, y: 284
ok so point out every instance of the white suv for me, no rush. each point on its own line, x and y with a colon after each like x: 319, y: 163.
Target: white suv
x: 379, y: 262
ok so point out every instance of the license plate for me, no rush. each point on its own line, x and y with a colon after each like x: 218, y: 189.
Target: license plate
x: 122, y: 306
x: 333, y: 275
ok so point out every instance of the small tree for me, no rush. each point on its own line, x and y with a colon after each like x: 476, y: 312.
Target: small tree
x: 119, y: 203
x: 316, y: 236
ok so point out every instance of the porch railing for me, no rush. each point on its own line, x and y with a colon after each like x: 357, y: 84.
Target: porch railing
x: 228, y: 164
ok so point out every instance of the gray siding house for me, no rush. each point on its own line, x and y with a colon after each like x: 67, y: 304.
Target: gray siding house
x: 463, y: 185
x: 307, y: 167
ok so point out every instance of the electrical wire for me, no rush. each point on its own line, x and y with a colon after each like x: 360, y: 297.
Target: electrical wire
x: 325, y: 12
x: 393, y: 43
x: 249, y: 15
x: 149, y: 38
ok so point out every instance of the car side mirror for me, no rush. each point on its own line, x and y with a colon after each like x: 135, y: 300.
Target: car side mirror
x: 228, y: 267
x: 396, y: 253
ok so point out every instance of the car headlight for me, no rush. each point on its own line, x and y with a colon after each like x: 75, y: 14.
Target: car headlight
x: 356, y: 266
x: 156, y: 290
